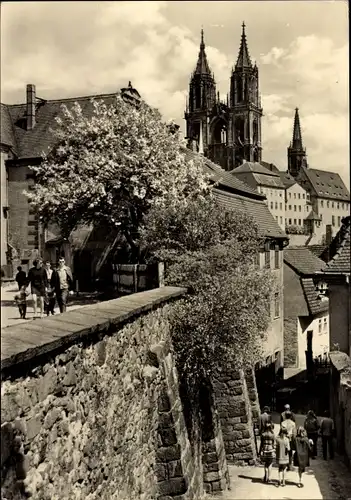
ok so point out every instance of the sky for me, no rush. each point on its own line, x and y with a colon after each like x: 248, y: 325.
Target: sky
x: 72, y: 49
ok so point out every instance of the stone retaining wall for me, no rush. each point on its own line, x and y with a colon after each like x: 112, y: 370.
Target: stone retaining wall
x: 236, y: 418
x: 91, y: 407
x: 340, y: 401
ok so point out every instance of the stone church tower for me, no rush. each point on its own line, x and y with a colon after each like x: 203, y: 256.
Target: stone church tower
x: 226, y: 132
x: 296, y: 151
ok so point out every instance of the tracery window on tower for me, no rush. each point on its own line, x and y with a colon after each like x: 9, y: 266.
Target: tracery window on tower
x: 197, y: 97
x: 255, y: 131
x: 240, y: 130
x: 239, y: 89
x: 219, y: 132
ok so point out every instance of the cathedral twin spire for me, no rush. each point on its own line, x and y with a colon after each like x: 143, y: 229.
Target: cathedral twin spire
x: 228, y: 132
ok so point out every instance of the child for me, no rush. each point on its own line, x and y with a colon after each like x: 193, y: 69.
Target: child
x: 267, y: 450
x: 49, y: 300
x: 282, y: 453
x: 21, y: 301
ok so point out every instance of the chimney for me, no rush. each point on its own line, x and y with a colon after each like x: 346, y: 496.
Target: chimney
x: 30, y: 106
x: 328, y: 234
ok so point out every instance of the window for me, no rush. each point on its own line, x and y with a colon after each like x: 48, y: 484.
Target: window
x: 342, y: 206
x: 307, y: 196
x: 272, y: 205
x: 276, y: 218
x: 289, y: 195
x: 294, y: 222
x: 295, y: 195
x: 299, y: 222
x: 289, y: 207
x: 281, y: 206
x: 332, y: 204
x: 289, y: 222
x: 281, y: 220
x: 303, y: 196
x: 338, y: 205
x: 286, y: 222
x: 299, y: 195
x: 339, y: 221
x: 327, y: 204
x: 320, y: 326
x: 322, y: 203
x: 294, y: 208
x: 333, y: 220
x: 299, y: 208
x: 276, y: 205
x: 325, y: 324
x: 276, y: 257
x: 276, y: 305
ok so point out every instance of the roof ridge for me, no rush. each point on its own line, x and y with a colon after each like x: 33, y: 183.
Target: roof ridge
x: 65, y: 99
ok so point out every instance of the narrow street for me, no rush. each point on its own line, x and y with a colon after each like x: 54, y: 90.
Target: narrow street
x: 329, y: 480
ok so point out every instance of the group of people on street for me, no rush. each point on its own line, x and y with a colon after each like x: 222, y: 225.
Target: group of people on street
x: 293, y: 445
x: 47, y: 286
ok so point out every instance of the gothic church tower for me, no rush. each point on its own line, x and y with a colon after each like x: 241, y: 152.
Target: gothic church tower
x: 296, y: 151
x: 226, y: 132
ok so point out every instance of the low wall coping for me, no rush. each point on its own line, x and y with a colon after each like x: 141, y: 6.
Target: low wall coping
x: 25, y: 342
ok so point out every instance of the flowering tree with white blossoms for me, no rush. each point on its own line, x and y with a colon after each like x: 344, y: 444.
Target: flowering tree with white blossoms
x: 112, y: 167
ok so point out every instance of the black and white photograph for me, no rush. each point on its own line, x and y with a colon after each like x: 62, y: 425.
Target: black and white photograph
x: 175, y: 250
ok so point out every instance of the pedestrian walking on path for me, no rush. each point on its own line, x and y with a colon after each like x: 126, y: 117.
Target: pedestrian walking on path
x: 21, y: 301
x: 265, y: 418
x: 312, y: 427
x: 283, y: 415
x: 327, y: 432
x: 290, y: 427
x: 282, y: 454
x: 303, y: 447
x: 38, y: 282
x: 50, y: 298
x: 267, y: 451
x: 21, y: 278
x: 64, y: 284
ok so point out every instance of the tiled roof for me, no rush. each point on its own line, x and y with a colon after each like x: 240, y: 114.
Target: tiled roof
x: 302, y: 260
x: 256, y: 209
x: 313, y: 216
x: 315, y: 304
x: 287, y: 179
x: 225, y: 179
x: 317, y: 250
x: 32, y: 143
x: 254, y: 167
x: 270, y: 166
x: 341, y: 263
x: 7, y: 130
x: 260, y: 175
x: 327, y: 184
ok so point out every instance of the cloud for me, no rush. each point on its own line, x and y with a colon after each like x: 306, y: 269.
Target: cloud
x: 310, y: 73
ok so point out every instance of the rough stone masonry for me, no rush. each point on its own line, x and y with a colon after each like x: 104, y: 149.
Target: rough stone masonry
x: 91, y: 409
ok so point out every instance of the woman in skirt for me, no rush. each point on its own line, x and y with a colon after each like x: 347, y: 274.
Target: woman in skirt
x: 302, y: 453
x: 267, y: 451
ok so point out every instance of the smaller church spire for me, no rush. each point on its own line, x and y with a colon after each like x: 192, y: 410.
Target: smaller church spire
x: 243, y: 60
x: 202, y: 66
x: 297, y: 136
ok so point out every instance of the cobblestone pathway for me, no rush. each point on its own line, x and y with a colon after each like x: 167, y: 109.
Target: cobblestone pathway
x: 329, y: 480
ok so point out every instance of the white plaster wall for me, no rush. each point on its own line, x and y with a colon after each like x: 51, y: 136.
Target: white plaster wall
x: 275, y: 203
x: 296, y: 197
x: 320, y: 339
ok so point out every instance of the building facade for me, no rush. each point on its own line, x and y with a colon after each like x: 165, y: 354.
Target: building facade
x: 334, y: 280
x: 266, y: 182
x: 306, y: 314
x: 226, y: 132
x: 328, y: 195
